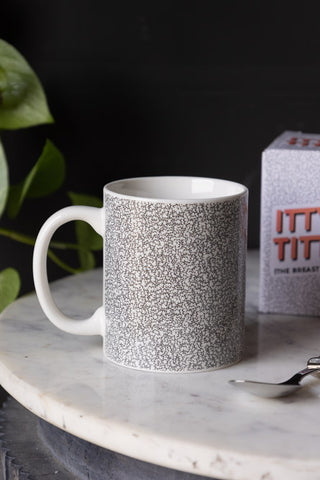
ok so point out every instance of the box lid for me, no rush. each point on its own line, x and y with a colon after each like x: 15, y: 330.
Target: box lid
x: 291, y: 140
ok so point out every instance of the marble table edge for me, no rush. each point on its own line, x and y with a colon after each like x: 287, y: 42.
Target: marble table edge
x: 150, y: 446
x: 141, y: 444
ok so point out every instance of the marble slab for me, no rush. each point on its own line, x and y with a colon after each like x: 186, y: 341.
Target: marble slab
x: 191, y: 422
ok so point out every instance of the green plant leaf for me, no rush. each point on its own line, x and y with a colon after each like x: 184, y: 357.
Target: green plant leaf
x: 45, y: 177
x: 84, y: 199
x: 48, y: 174
x: 22, y: 99
x: 86, y: 259
x: 9, y: 287
x: 4, y: 179
x: 86, y: 237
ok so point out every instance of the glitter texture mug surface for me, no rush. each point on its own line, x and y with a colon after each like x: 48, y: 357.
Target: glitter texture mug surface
x: 174, y: 272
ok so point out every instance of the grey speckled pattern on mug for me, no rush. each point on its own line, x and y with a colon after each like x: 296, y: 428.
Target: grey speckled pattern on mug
x: 174, y: 283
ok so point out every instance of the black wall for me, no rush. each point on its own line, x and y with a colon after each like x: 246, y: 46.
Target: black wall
x: 192, y: 88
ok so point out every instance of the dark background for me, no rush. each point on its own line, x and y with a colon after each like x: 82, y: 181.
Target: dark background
x: 160, y: 88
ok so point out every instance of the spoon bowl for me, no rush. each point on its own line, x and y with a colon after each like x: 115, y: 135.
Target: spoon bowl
x: 274, y: 390
x: 264, y: 389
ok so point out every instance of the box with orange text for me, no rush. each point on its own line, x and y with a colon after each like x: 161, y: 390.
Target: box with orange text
x: 290, y: 225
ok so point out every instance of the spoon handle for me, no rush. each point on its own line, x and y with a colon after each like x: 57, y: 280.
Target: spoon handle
x: 295, y: 379
x: 313, y: 362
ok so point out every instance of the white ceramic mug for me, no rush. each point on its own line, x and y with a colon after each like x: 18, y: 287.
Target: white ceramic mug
x: 174, y: 272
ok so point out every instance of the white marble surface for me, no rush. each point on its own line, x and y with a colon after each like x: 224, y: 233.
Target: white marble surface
x: 191, y: 422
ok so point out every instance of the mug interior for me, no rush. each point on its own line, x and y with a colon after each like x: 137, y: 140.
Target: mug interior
x: 176, y: 188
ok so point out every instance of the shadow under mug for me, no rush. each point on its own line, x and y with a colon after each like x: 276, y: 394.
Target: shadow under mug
x: 173, y: 275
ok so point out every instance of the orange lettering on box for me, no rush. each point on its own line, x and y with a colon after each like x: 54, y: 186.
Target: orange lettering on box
x: 294, y: 249
x: 292, y: 212
x: 307, y: 241
x: 281, y: 241
x: 279, y: 221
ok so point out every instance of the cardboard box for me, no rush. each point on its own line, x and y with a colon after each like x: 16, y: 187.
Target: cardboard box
x: 290, y: 225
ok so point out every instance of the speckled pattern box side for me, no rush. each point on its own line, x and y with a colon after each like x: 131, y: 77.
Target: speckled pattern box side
x: 290, y: 225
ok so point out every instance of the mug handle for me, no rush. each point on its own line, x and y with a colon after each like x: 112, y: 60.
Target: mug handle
x: 94, y: 216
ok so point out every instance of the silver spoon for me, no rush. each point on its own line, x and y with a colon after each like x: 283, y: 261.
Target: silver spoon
x: 273, y: 390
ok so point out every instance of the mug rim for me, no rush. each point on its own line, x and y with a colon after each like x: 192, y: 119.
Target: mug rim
x: 210, y: 199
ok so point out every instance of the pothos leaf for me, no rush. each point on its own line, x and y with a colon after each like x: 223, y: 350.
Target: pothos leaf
x: 4, y: 179
x: 87, y: 238
x: 45, y: 177
x: 22, y: 99
x: 9, y: 287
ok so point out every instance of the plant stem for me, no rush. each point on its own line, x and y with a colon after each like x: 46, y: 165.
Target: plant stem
x: 63, y: 265
x: 29, y: 240
x: 19, y: 237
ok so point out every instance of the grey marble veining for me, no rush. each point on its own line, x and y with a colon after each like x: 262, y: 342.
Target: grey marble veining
x: 193, y: 422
